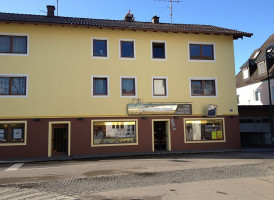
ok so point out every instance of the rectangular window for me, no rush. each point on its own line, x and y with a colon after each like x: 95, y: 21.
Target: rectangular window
x: 13, y: 85
x: 13, y: 44
x: 103, y: 132
x: 201, y: 51
x: 257, y: 95
x: 100, y: 48
x: 261, y: 68
x: 12, y: 132
x: 158, y: 50
x: 127, y: 49
x: 245, y: 73
x: 159, y: 87
x: 238, y: 99
x: 204, y: 130
x: 203, y: 88
x: 272, y: 92
x: 128, y: 86
x: 100, y: 86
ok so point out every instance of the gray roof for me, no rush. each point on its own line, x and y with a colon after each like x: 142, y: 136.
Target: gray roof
x: 121, y: 24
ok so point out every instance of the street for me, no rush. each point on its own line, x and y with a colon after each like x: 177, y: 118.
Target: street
x: 230, y: 175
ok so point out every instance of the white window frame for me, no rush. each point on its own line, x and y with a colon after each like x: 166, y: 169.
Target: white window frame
x: 202, y: 43
x: 17, y: 54
x: 159, y: 41
x: 152, y: 84
x: 27, y: 85
x: 202, y: 79
x: 247, y: 73
x: 259, y: 67
x: 121, y: 84
x: 99, y: 76
x: 99, y: 57
x: 120, y: 49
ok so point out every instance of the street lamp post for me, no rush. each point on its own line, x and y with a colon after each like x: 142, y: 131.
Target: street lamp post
x: 268, y: 59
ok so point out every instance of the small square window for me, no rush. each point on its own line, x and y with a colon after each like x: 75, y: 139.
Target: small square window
x: 201, y: 51
x: 100, y: 86
x: 158, y: 50
x: 127, y: 49
x: 159, y: 87
x: 128, y: 87
x: 100, y: 47
x: 203, y: 88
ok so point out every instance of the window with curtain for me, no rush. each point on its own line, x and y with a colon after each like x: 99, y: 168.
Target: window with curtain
x: 127, y: 49
x: 99, y: 48
x: 201, y: 51
x: 13, y: 44
x: 203, y: 88
x: 128, y: 87
x: 12, y: 85
x: 159, y: 87
x: 100, y: 87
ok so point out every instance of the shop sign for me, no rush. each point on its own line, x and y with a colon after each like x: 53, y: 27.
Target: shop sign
x: 159, y: 109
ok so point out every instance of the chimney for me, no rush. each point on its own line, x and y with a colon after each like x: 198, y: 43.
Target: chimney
x: 50, y: 12
x: 155, y: 19
x: 129, y: 17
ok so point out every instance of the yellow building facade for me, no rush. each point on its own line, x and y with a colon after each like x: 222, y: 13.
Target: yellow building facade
x: 82, y: 81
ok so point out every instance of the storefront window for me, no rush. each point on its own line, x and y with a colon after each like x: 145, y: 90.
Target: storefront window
x: 12, y: 133
x: 114, y: 132
x: 204, y: 130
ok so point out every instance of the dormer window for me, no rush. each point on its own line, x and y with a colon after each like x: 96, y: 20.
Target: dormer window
x: 245, y: 73
x: 261, y: 68
x: 256, y: 55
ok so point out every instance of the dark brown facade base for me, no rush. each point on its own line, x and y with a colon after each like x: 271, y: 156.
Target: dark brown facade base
x: 80, y: 137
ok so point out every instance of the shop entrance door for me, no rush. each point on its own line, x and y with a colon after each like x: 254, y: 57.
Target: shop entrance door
x: 160, y: 136
x: 59, y: 139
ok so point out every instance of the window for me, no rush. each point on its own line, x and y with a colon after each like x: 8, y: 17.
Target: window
x: 127, y: 49
x: 203, y: 87
x: 159, y: 86
x: 272, y: 91
x: 100, y: 86
x: 13, y: 85
x: 201, y: 51
x: 238, y: 99
x: 261, y: 68
x: 158, y: 50
x: 100, y: 48
x: 257, y: 95
x: 200, y: 130
x: 256, y: 54
x: 245, y: 73
x: 112, y: 132
x: 13, y: 132
x: 11, y: 44
x: 128, y: 86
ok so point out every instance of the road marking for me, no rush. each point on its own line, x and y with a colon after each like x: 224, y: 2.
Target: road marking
x: 59, y: 167
x: 14, y: 167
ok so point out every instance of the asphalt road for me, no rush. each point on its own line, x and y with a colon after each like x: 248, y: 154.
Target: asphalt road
x: 237, y: 175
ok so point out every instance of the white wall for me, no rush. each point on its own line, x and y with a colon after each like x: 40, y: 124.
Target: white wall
x: 247, y: 94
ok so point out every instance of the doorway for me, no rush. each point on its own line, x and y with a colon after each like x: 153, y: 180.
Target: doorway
x: 59, y: 139
x: 161, y: 137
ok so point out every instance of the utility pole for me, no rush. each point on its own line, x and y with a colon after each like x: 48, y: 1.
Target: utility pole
x: 171, y: 6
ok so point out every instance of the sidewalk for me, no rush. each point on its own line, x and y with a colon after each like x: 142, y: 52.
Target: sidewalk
x: 117, y: 155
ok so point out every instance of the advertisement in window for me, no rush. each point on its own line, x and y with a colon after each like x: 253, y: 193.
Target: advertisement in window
x: 114, y: 132
x: 204, y: 130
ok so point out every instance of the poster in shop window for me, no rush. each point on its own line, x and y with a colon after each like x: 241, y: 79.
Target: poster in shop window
x: 1, y: 136
x: 17, y: 133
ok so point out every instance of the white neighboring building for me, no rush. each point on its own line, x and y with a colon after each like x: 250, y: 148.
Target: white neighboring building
x: 253, y: 97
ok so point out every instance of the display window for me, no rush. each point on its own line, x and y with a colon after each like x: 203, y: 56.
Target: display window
x: 12, y: 133
x: 202, y: 130
x: 114, y: 133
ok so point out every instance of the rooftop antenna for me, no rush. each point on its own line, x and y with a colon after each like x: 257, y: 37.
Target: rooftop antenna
x: 170, y: 7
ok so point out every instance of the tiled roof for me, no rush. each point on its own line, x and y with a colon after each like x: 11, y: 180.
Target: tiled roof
x: 252, y: 65
x: 121, y: 24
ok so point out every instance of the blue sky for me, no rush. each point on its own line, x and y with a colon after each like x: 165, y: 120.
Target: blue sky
x: 254, y: 16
